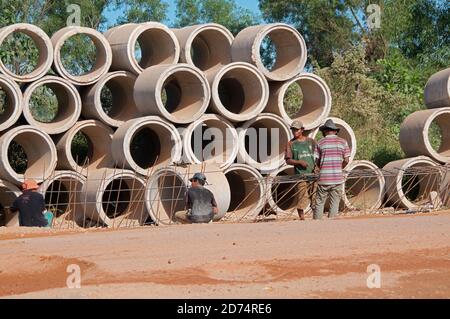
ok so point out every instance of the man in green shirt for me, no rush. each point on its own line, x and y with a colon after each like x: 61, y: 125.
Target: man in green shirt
x: 300, y: 153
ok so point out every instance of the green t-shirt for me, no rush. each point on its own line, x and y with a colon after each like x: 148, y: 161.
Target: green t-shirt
x: 303, y: 150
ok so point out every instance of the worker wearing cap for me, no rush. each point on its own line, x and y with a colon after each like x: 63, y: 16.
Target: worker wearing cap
x: 30, y: 205
x: 200, y: 203
x: 332, y: 154
x: 299, y: 152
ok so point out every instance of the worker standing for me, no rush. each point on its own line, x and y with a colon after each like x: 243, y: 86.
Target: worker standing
x: 31, y: 206
x: 332, y: 155
x: 299, y: 152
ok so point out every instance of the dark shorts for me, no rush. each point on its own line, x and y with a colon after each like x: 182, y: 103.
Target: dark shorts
x: 200, y: 218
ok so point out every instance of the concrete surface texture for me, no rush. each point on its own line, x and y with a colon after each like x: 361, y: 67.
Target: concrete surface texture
x: 437, y: 90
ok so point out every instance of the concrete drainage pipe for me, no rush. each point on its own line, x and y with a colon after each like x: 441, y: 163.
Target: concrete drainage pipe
x: 346, y: 133
x: 166, y: 191
x: 316, y: 105
x: 239, y: 92
x: 210, y: 139
x: 43, y: 44
x: 180, y: 93
x: 248, y: 192
x: 62, y: 193
x: 416, y: 127
x: 145, y: 144
x: 103, y: 55
x: 437, y: 90
x: 38, y: 149
x: 113, y: 198
x: 290, y: 49
x: 365, y: 190
x: 410, y: 181
x: 120, y: 85
x: 207, y: 46
x: 8, y: 194
x: 12, y: 102
x: 157, y: 45
x: 97, y: 138
x: 262, y: 141
x: 68, y: 109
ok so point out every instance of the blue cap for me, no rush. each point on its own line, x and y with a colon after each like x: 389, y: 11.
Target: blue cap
x: 199, y: 177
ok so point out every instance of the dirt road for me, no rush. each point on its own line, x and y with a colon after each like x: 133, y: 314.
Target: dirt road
x: 293, y: 259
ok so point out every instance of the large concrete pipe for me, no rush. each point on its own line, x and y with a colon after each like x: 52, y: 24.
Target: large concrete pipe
x: 210, y: 139
x: 437, y: 90
x: 69, y: 105
x: 248, y: 193
x: 316, y: 102
x: 410, y: 181
x: 11, y: 102
x: 145, y: 144
x: 166, y: 191
x: 62, y: 193
x: 207, y: 46
x: 8, y: 194
x: 99, y: 139
x: 103, y: 55
x: 157, y: 43
x: 415, y: 134
x: 364, y: 186
x: 239, y: 92
x: 38, y: 148
x: 186, y: 89
x: 262, y: 141
x: 114, y: 198
x: 43, y: 44
x: 346, y: 132
x: 290, y: 49
x: 121, y: 86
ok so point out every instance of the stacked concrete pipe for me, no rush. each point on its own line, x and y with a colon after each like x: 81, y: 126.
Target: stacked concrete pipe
x: 222, y: 149
x: 365, y: 192
x: 164, y: 142
x: 437, y: 90
x: 239, y: 92
x: 395, y: 171
x: 69, y: 105
x: 188, y: 92
x: 290, y: 49
x: 39, y: 149
x: 416, y: 128
x: 13, y: 99
x: 114, y: 198
x: 8, y: 194
x: 103, y: 51
x: 252, y: 153
x: 62, y: 193
x: 123, y: 108
x: 207, y: 46
x: 43, y: 44
x: 316, y: 105
x: 100, y: 138
x: 157, y: 42
x: 248, y: 193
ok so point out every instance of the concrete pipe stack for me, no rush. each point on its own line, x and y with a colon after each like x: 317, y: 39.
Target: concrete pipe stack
x: 195, y: 98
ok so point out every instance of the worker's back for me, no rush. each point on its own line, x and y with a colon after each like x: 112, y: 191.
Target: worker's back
x: 201, y: 202
x: 30, y: 206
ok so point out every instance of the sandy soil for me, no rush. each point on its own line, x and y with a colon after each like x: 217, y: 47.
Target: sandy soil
x: 293, y: 259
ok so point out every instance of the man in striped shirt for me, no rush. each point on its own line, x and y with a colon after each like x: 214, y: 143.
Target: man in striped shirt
x: 332, y: 155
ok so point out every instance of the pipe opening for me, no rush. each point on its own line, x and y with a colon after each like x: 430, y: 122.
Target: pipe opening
x: 116, y: 98
x: 210, y: 49
x: 116, y: 197
x: 168, y: 196
x: 21, y: 54
x: 79, y: 54
x: 418, y: 186
x: 285, y: 194
x: 57, y: 197
x: 268, y: 53
x: 154, y: 46
x: 145, y: 147
x: 82, y: 149
x: 439, y: 134
x: 363, y: 193
x: 7, y: 197
x: 244, y: 193
x: 306, y: 107
x: 6, y: 104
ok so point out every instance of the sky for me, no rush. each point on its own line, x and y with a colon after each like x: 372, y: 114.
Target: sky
x: 252, y: 5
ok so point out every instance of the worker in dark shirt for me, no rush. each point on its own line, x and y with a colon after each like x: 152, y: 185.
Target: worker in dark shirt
x: 30, y: 205
x: 200, y: 203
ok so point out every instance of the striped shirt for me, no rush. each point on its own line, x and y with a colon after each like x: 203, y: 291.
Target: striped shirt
x: 331, y: 151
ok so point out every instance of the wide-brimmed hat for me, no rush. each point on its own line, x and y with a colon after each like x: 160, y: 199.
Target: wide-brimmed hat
x: 199, y: 177
x: 29, y: 184
x: 329, y: 125
x: 297, y: 124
